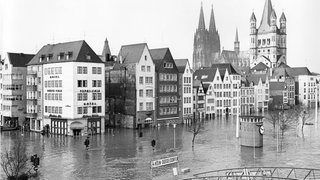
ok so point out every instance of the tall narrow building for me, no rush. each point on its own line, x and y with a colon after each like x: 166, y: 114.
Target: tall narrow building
x: 268, y: 42
x: 206, y: 44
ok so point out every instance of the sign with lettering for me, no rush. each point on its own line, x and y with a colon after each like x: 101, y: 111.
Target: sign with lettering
x: 165, y: 161
x: 86, y: 90
x: 89, y: 104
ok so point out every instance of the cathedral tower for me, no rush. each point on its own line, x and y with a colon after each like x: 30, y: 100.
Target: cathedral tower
x: 206, y: 44
x: 268, y: 42
x: 237, y: 43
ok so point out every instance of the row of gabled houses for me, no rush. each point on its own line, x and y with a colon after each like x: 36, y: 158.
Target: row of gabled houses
x: 68, y: 89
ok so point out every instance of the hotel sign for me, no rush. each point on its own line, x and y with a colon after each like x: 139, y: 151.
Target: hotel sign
x: 88, y: 91
x: 165, y: 161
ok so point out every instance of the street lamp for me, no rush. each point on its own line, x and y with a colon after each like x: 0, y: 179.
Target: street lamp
x: 174, y: 136
x: 237, y: 125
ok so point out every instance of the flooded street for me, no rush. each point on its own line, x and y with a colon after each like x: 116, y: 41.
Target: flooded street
x: 123, y: 154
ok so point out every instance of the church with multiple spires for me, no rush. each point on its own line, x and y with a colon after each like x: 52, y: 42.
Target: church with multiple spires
x: 267, y: 43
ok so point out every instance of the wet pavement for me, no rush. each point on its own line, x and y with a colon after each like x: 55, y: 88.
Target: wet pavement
x: 123, y: 154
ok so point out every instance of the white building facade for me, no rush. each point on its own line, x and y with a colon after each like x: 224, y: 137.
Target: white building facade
x: 66, y: 90
x: 307, y: 88
x: 13, y: 94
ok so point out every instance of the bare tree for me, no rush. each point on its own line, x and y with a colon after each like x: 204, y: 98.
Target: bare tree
x: 273, y: 117
x: 15, y: 162
x: 287, y: 121
x: 196, y: 128
x: 302, y: 112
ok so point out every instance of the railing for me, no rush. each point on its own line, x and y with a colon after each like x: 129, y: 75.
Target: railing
x: 257, y: 173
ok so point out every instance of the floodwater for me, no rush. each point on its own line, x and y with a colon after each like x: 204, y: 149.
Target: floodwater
x: 123, y: 154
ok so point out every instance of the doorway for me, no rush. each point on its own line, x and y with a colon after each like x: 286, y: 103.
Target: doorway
x: 76, y: 132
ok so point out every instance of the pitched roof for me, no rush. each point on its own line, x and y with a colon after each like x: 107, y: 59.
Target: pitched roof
x: 205, y: 87
x: 283, y: 65
x: 79, y: 51
x: 181, y: 64
x: 260, y: 67
x: 131, y: 53
x: 228, y: 66
x: 158, y: 54
x: 205, y: 74
x: 296, y: 71
x: 256, y: 77
x: 19, y: 59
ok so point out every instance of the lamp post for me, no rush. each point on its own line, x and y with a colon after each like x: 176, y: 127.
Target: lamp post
x: 316, y: 106
x: 174, y: 136
x: 237, y: 125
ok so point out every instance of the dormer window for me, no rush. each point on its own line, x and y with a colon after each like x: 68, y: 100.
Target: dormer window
x: 167, y: 65
x: 60, y: 56
x: 49, y: 57
x: 69, y: 55
x: 42, y: 58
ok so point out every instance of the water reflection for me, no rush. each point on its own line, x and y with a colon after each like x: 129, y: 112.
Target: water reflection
x: 123, y: 154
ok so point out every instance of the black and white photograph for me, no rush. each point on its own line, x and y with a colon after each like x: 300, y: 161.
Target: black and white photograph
x: 159, y: 90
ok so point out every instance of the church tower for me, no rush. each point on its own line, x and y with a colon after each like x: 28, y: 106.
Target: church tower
x: 237, y: 43
x: 268, y: 41
x: 106, y: 53
x: 206, y: 44
x: 214, y: 38
x: 199, y: 43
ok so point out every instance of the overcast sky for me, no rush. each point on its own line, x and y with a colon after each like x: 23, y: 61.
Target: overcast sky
x: 26, y: 26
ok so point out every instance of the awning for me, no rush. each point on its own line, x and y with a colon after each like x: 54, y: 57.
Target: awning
x: 76, y: 125
x: 148, y: 120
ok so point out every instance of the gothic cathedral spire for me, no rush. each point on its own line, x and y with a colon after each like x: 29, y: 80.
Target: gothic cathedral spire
x: 237, y: 43
x: 212, y: 25
x: 202, y: 25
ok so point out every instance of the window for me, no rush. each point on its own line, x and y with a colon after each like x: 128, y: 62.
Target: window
x: 79, y: 96
x: 85, y: 110
x: 140, y: 106
x: 99, y: 70
x: 94, y: 96
x: 79, y: 70
x: 84, y: 96
x: 145, y: 57
x: 94, y: 83
x: 79, y: 110
x: 140, y: 93
x: 82, y: 83
x: 140, y: 80
x: 149, y: 92
x: 148, y: 69
x: 143, y: 68
x: 149, y: 106
x: 85, y: 70
x: 148, y: 80
x: 94, y: 70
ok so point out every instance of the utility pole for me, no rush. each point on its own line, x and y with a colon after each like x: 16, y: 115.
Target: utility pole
x: 237, y: 125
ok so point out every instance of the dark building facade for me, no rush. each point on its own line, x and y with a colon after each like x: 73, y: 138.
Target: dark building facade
x: 206, y: 46
x: 167, y: 83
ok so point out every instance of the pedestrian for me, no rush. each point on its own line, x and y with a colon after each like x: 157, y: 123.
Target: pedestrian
x: 86, y: 143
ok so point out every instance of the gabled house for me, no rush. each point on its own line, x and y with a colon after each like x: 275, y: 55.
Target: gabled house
x: 247, y: 97
x: 261, y: 91
x: 137, y: 87
x: 225, y: 83
x: 185, y: 89
x: 199, y: 99
x: 167, y: 82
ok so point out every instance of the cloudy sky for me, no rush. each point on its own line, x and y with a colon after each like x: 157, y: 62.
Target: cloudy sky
x: 25, y: 26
